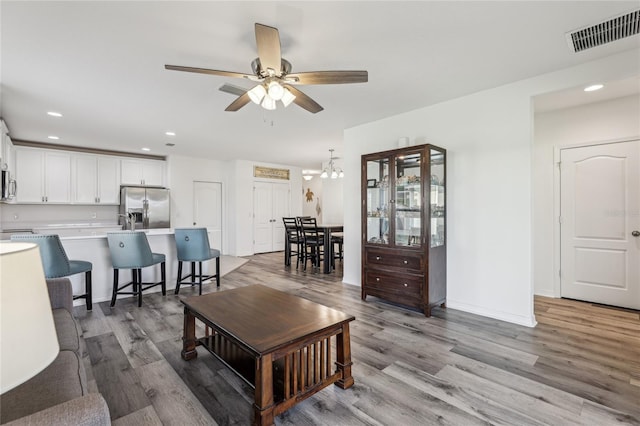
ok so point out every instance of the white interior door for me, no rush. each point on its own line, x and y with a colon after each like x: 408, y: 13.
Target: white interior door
x: 600, y: 224
x: 270, y: 205
x: 207, y: 210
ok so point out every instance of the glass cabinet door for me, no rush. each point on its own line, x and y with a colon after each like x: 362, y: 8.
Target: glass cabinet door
x: 378, y: 192
x: 437, y: 198
x: 408, y: 197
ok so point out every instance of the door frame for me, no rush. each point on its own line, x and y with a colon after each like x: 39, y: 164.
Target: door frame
x: 557, y: 150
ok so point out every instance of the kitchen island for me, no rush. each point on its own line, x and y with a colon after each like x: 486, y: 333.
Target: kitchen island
x: 95, y: 249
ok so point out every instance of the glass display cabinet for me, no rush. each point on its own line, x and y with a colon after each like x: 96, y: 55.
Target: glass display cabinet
x: 404, y: 226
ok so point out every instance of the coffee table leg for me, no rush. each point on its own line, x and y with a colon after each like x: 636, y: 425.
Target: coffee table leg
x: 343, y: 353
x: 189, y: 336
x: 263, y: 406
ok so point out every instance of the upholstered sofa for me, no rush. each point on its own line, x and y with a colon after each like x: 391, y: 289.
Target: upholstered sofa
x: 58, y: 395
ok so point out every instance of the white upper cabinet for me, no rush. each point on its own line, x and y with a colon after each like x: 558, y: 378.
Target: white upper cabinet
x: 143, y: 172
x: 7, y: 150
x: 96, y: 179
x: 43, y: 176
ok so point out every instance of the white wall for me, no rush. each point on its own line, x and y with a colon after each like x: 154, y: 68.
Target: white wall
x: 310, y: 208
x: 489, y: 142
x: 616, y: 119
x: 237, y: 196
x: 182, y: 172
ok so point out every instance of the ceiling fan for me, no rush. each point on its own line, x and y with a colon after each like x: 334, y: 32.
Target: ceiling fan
x: 275, y: 80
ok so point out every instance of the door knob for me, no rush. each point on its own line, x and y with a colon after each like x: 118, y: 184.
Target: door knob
x: 635, y: 233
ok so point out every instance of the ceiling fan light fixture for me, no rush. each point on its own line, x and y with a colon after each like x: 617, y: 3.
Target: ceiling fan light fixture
x: 268, y: 103
x: 276, y: 91
x: 257, y: 94
x: 340, y: 174
x: 287, y: 97
x: 324, y: 174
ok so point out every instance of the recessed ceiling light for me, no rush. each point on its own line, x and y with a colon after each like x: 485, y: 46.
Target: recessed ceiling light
x: 593, y: 87
x: 54, y: 114
x: 170, y: 133
x: 146, y: 149
x: 55, y: 138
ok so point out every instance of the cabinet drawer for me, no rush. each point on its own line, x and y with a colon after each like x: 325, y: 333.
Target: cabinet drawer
x: 394, y: 259
x: 406, y: 284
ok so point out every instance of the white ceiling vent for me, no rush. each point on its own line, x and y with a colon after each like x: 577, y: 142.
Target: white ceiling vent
x: 605, y: 32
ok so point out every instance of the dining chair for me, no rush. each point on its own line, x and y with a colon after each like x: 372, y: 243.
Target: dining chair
x: 56, y: 264
x: 193, y: 246
x: 131, y: 250
x: 313, y: 242
x: 293, y: 238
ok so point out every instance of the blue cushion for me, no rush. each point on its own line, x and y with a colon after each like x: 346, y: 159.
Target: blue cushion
x: 78, y: 266
x: 130, y: 250
x: 54, y: 259
x: 192, y: 245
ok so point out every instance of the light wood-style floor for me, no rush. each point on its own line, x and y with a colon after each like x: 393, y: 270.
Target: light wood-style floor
x: 580, y: 365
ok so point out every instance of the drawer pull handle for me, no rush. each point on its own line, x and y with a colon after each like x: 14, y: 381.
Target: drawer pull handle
x: 405, y: 262
x: 378, y: 257
x: 377, y: 278
x: 405, y: 284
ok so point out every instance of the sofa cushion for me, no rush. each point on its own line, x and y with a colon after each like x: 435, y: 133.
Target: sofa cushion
x: 68, y: 336
x: 64, y: 379
x: 89, y: 410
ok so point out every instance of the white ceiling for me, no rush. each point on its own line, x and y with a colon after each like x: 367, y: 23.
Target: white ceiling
x: 101, y: 64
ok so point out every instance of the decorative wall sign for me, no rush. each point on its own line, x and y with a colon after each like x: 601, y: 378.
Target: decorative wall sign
x: 270, y: 173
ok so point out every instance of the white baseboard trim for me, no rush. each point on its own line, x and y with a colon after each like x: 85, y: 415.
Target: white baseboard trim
x: 545, y: 293
x: 499, y: 315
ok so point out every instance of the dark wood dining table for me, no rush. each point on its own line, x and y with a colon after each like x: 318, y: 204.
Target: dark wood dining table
x: 327, y: 229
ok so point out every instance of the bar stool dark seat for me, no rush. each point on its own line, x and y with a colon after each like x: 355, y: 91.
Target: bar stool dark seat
x: 56, y: 264
x: 193, y: 246
x: 131, y: 250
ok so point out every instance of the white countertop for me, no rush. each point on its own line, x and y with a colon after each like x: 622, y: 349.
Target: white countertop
x: 150, y: 232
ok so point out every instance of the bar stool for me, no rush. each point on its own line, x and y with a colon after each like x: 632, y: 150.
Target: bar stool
x: 193, y: 246
x: 56, y: 264
x: 130, y: 250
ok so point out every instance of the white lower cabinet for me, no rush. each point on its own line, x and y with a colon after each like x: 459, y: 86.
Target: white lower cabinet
x: 96, y: 179
x: 43, y: 176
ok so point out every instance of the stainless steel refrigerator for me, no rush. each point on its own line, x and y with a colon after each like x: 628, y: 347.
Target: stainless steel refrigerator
x: 146, y: 207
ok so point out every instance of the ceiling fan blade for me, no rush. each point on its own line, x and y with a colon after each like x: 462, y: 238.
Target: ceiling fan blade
x: 268, y: 42
x: 234, y: 90
x: 329, y: 77
x: 239, y: 102
x: 208, y: 71
x: 304, y: 101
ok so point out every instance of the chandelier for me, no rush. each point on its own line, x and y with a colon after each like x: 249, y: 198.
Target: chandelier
x: 268, y: 93
x: 331, y: 170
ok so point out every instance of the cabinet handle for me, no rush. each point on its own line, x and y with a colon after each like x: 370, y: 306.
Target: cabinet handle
x: 378, y: 258
x: 377, y: 278
x: 405, y: 284
x: 405, y: 262
x: 43, y: 199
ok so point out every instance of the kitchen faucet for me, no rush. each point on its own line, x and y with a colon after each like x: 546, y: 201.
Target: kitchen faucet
x: 130, y: 219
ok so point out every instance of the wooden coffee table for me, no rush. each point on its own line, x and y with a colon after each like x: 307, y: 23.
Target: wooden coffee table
x: 278, y: 343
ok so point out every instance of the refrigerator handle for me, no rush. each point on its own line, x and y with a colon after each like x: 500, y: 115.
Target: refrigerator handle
x: 145, y: 213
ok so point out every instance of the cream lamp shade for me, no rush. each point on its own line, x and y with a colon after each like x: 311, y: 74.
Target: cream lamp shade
x: 28, y: 340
